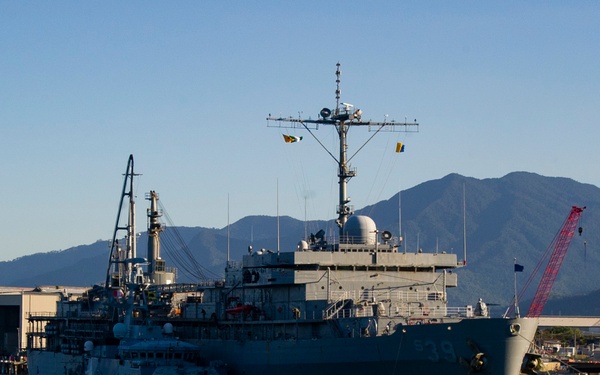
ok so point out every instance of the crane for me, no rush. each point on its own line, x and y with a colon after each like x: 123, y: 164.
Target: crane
x: 560, y: 244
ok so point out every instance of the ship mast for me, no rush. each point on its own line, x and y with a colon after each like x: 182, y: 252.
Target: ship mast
x: 158, y: 272
x: 154, y: 229
x: 124, y: 264
x: 344, y: 173
x: 343, y: 118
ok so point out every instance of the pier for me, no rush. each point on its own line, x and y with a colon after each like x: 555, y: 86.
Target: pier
x: 570, y: 321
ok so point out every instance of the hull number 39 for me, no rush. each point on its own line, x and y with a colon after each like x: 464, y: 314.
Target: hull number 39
x: 436, y: 351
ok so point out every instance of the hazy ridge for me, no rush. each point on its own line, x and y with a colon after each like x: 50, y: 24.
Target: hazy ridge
x: 515, y: 216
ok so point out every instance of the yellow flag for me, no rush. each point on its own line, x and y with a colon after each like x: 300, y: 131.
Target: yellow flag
x: 291, y: 138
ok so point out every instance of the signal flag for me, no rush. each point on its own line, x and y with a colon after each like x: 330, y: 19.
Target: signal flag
x: 291, y: 138
x: 519, y: 268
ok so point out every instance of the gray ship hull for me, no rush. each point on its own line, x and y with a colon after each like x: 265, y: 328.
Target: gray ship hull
x: 419, y: 349
x: 54, y: 363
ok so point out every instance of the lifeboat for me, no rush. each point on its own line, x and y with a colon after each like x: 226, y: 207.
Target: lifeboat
x: 240, y: 309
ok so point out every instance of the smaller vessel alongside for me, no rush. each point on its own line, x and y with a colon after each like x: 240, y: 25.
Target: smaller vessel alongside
x: 146, y: 349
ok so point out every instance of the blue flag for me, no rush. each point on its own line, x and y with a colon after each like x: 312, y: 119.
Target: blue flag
x: 519, y: 268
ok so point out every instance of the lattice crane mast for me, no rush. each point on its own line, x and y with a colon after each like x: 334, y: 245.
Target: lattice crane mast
x: 561, y: 243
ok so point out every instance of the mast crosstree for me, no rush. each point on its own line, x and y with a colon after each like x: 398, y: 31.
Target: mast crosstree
x: 343, y: 117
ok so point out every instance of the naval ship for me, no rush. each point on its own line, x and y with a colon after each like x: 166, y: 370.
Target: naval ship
x: 350, y: 303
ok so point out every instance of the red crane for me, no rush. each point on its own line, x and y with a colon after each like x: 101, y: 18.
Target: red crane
x: 560, y: 244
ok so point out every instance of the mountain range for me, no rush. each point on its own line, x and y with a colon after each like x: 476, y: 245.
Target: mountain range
x: 513, y: 217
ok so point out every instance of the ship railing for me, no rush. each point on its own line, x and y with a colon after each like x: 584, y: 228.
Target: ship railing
x: 42, y: 314
x: 378, y: 295
x: 333, y: 295
x: 86, y: 314
x: 66, y: 314
x: 422, y: 312
x: 185, y: 287
x: 337, y: 295
x: 462, y: 311
x: 426, y: 312
x: 347, y: 243
x: 337, y: 305
x: 355, y: 312
x: 399, y: 295
x: 80, y: 314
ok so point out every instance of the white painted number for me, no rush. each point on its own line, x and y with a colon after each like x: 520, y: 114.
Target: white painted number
x: 448, y: 351
x: 436, y: 351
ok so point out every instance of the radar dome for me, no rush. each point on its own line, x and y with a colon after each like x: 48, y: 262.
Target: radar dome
x: 88, y: 346
x: 168, y: 329
x: 303, y: 246
x: 360, y: 229
x: 120, y: 330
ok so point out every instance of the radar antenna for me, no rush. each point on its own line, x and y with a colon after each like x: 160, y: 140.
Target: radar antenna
x: 343, y: 119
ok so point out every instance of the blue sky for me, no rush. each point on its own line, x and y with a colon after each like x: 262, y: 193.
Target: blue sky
x: 185, y: 87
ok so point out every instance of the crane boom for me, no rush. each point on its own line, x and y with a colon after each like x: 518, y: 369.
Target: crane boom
x: 561, y: 244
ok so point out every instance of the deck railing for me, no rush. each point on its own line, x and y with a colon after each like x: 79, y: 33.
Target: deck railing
x: 423, y: 312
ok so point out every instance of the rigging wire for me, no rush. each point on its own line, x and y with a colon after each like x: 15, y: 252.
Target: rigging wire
x: 387, y: 163
x: 301, y: 182
x: 376, y: 178
x: 303, y: 188
x: 395, y: 160
x: 176, y: 257
x: 181, y: 254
